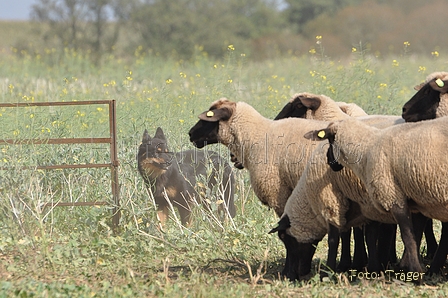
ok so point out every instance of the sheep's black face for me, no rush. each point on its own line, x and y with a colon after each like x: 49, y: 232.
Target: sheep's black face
x: 293, y: 109
x: 331, y: 159
x: 298, y: 255
x: 204, y: 133
x: 422, y: 106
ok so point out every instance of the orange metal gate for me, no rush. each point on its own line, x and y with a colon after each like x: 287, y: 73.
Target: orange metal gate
x: 112, y: 140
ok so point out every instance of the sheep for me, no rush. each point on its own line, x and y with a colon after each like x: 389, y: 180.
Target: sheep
x: 272, y: 151
x: 381, y: 159
x: 430, y: 102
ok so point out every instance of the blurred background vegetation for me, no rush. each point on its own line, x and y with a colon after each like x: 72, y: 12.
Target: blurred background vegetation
x: 261, y: 29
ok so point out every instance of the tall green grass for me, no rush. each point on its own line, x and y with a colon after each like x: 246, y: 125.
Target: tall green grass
x: 72, y: 251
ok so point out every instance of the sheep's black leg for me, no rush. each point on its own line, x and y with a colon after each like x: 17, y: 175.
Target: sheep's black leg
x: 287, y: 264
x: 291, y: 268
x: 386, y: 245
x: 333, y: 244
x: 410, y: 260
x: 372, y: 231
x: 346, y: 260
x: 442, y: 251
x: 306, y: 252
x: 431, y: 242
x: 360, y: 255
x: 419, y: 222
x: 393, y: 245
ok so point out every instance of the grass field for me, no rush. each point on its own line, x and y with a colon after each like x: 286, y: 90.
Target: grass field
x: 47, y: 252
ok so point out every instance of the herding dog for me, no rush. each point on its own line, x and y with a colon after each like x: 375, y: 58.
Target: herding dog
x: 174, y: 176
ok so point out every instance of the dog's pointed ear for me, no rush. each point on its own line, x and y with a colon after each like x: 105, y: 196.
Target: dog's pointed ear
x: 283, y: 224
x: 146, y: 137
x: 216, y: 115
x: 159, y: 134
x: 318, y: 135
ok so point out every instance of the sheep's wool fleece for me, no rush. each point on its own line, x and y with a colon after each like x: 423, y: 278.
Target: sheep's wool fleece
x: 274, y: 152
x: 313, y: 205
x: 321, y: 195
x: 400, y: 162
x: 328, y: 110
x: 351, y: 109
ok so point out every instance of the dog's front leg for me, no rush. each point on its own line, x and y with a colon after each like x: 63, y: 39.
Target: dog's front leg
x: 162, y: 215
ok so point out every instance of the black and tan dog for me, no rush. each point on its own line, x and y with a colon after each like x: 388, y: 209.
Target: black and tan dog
x: 175, y: 176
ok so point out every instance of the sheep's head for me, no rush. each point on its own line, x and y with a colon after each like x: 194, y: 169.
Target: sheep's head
x: 311, y: 106
x: 153, y: 156
x: 297, y: 107
x: 329, y: 134
x: 206, y: 131
x: 298, y: 255
x: 427, y: 101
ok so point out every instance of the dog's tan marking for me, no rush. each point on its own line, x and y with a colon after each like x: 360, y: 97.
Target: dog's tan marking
x: 171, y: 191
x: 151, y: 170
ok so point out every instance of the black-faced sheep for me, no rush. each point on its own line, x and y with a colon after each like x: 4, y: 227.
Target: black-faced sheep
x: 430, y: 102
x: 402, y: 168
x: 174, y: 176
x: 273, y: 152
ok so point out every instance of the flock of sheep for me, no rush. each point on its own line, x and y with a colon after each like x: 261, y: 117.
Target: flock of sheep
x: 326, y: 167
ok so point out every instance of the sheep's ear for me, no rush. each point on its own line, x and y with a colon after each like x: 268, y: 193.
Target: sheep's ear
x: 312, y: 103
x: 216, y: 115
x: 418, y: 87
x: 146, y: 137
x: 283, y: 224
x: 159, y: 134
x: 319, y: 135
x: 439, y: 85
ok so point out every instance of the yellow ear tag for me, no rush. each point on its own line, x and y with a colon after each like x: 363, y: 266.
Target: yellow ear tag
x: 440, y: 83
x: 210, y: 114
x: 321, y: 134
